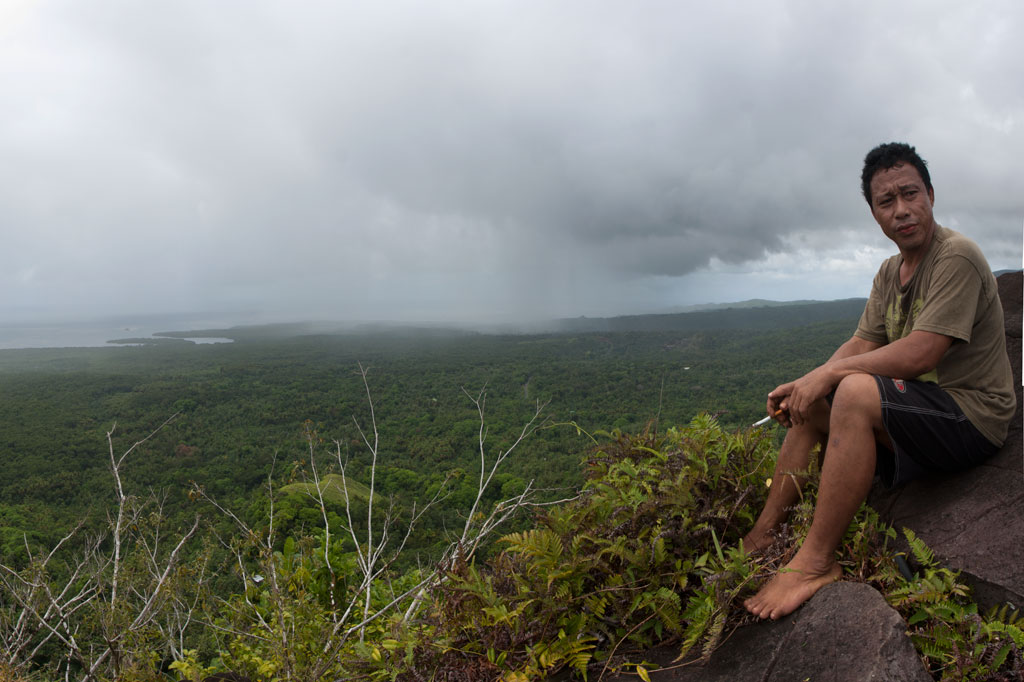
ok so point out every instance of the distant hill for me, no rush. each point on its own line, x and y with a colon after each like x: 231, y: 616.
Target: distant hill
x: 754, y: 314
x: 771, y: 315
x: 750, y: 303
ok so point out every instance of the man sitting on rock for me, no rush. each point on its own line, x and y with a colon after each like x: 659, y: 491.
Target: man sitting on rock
x: 924, y: 385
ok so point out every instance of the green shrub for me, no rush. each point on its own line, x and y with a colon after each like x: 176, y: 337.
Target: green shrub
x: 647, y: 552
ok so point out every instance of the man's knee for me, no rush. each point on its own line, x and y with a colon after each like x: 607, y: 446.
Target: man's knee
x: 857, y: 393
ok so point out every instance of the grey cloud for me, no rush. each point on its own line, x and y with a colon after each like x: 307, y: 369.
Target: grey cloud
x: 337, y: 156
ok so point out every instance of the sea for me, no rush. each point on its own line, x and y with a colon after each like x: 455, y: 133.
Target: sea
x: 100, y: 332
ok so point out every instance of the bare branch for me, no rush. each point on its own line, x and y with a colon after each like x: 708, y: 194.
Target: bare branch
x: 115, y: 468
x: 486, y: 476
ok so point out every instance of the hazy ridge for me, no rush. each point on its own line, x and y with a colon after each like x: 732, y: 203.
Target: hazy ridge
x: 758, y: 314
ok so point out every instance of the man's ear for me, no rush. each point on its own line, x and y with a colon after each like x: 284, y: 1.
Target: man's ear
x: 931, y: 195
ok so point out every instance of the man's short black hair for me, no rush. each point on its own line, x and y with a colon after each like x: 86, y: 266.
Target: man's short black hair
x: 889, y: 155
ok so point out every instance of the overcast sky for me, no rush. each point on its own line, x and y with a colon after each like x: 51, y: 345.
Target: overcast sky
x: 450, y: 160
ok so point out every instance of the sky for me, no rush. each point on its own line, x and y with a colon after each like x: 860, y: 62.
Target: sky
x: 485, y: 160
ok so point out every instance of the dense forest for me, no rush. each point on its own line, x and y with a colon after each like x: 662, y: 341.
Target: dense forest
x: 246, y: 408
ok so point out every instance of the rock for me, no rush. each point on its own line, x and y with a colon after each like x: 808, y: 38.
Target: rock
x: 845, y: 633
x: 973, y: 520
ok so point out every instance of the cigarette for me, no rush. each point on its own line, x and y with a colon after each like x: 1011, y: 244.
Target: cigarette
x: 761, y: 422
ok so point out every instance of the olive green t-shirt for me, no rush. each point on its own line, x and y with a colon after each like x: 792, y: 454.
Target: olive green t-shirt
x: 952, y: 292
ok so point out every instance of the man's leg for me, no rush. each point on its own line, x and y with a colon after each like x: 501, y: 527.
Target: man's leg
x: 794, y: 456
x: 854, y: 427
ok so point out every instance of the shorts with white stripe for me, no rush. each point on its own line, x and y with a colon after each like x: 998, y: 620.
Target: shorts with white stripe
x: 928, y: 430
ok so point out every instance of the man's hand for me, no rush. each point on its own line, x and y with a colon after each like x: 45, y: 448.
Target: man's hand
x: 775, y: 409
x: 796, y: 397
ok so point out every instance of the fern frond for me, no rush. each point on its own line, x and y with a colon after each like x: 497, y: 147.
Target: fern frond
x: 922, y: 553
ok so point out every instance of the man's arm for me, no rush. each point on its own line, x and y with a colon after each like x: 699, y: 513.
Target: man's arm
x: 917, y: 353
x: 855, y: 346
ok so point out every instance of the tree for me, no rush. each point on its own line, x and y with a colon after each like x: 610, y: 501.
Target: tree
x: 309, y: 604
x: 106, y: 607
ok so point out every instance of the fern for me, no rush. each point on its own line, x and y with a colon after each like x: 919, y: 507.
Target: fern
x: 944, y: 623
x: 623, y: 562
x: 922, y: 553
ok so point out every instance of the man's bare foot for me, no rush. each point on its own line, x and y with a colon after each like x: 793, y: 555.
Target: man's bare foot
x: 791, y: 587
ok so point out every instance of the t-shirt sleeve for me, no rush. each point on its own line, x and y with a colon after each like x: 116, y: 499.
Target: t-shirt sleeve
x: 951, y: 303
x: 872, y: 321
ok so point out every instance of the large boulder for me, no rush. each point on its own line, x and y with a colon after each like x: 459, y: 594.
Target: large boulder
x: 846, y: 633
x: 974, y: 521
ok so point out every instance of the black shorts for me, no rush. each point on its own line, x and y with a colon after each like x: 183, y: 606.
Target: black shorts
x: 928, y: 430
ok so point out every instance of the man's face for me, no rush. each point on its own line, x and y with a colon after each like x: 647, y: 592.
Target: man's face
x: 903, y: 207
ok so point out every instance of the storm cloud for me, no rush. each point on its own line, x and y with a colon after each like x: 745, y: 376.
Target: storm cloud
x: 452, y: 160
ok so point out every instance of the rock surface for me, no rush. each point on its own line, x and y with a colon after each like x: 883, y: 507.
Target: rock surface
x: 846, y: 633
x: 974, y: 521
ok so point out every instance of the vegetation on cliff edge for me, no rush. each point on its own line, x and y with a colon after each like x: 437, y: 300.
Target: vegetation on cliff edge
x: 645, y: 554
